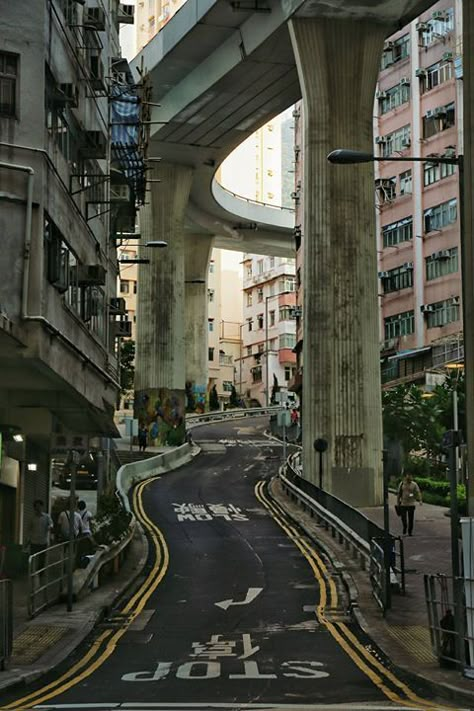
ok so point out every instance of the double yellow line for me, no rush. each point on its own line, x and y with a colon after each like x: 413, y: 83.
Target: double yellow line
x: 105, y: 644
x: 393, y: 688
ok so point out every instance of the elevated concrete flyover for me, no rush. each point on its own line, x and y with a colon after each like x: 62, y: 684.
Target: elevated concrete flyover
x: 220, y: 70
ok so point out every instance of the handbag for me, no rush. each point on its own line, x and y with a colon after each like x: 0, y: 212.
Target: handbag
x: 398, y: 509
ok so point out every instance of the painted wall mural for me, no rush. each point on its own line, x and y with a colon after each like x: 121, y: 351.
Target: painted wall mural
x: 196, y: 397
x: 161, y: 411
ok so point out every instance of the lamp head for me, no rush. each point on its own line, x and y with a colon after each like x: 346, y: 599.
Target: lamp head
x: 344, y: 156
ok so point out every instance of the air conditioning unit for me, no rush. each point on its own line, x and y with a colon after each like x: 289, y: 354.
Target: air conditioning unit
x: 95, y: 145
x: 296, y: 113
x: 380, y: 139
x: 406, y: 143
x: 384, y: 275
x: 456, y: 300
x: 447, y: 57
x: 430, y: 114
x: 126, y: 14
x: 118, y: 306
x: 120, y: 193
x: 443, y: 254
x: 405, y: 80
x: 122, y: 329
x: 408, y: 266
x: 439, y: 112
x: 95, y: 17
x: 449, y: 152
x: 91, y: 275
x: 381, y: 95
x: 421, y: 73
x: 439, y: 15
x: 422, y: 26
x: 70, y: 94
x: 427, y: 308
x: 388, y: 46
x: 295, y: 196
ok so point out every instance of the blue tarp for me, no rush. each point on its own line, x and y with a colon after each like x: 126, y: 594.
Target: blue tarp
x: 125, y: 132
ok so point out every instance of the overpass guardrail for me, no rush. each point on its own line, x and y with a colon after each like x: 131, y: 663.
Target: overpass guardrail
x: 221, y: 415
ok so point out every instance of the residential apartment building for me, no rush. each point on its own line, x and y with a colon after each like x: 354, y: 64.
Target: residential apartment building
x: 224, y: 326
x: 269, y: 327
x: 59, y: 316
x: 151, y: 16
x: 419, y: 113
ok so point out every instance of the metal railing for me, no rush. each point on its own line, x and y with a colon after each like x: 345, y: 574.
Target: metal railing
x: 230, y: 414
x: 251, y: 201
x: 47, y: 577
x: 451, y: 620
x: 6, y: 621
x: 378, y: 569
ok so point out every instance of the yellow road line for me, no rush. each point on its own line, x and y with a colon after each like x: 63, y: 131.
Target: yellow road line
x: 357, y: 652
x: 133, y: 607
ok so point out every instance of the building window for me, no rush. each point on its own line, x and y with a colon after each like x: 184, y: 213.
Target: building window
x: 395, y: 142
x: 261, y: 348
x: 272, y: 318
x: 210, y: 323
x: 249, y: 350
x: 398, y: 278
x: 249, y: 323
x: 289, y: 372
x: 273, y: 344
x: 438, y: 27
x: 8, y: 78
x: 394, y: 97
x: 124, y: 287
x: 260, y: 295
x: 446, y: 169
x: 285, y: 313
x: 248, y: 271
x: 440, y: 263
x: 439, y: 119
x: 257, y: 374
x: 135, y: 287
x: 210, y: 295
x: 386, y: 189
x: 402, y: 324
x: 396, y: 51
x: 260, y: 266
x: 210, y: 353
x: 249, y: 298
x: 287, y: 284
x: 438, y: 73
x: 259, y: 320
x: 443, y: 312
x: 212, y: 267
x: 396, y: 232
x: 287, y: 340
x: 440, y: 216
x: 227, y: 386
x: 406, y: 186
x: 272, y: 262
x: 433, y: 172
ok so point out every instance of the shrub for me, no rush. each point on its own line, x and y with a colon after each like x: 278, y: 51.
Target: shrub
x: 111, y: 521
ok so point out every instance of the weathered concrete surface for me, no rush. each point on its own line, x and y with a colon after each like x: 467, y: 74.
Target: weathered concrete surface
x: 338, y: 69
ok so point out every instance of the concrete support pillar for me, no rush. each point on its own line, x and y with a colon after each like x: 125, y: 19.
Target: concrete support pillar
x: 160, y: 354
x: 338, y: 63
x: 197, y: 254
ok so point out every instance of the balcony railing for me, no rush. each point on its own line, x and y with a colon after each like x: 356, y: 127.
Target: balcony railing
x: 226, y: 360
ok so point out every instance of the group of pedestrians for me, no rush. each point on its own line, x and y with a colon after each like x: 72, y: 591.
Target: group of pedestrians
x: 41, y: 527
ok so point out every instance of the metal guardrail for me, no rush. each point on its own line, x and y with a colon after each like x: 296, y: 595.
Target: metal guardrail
x: 47, y: 577
x: 378, y: 569
x: 256, y: 202
x: 230, y: 414
x: 6, y: 621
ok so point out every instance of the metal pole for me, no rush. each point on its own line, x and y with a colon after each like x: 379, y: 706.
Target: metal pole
x: 458, y: 624
x: 240, y: 365
x: 456, y: 427
x: 320, y: 470
x: 387, y: 542
x: 70, y: 562
x: 267, y: 394
x: 284, y: 435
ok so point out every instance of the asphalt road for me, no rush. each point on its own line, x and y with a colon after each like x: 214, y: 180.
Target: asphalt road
x: 228, y: 615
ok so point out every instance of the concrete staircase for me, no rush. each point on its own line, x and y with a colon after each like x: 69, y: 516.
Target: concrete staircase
x: 125, y: 456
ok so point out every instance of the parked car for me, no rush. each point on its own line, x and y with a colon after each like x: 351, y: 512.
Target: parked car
x: 86, y: 472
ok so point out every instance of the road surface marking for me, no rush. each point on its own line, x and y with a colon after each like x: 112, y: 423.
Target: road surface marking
x: 252, y: 594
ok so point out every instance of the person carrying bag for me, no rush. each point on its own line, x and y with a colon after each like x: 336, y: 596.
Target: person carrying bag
x: 408, y: 494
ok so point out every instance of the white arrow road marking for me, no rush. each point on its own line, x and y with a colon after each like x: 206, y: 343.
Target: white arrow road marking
x: 250, y: 597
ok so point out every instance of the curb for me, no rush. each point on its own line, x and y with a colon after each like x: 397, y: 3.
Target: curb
x: 449, y: 691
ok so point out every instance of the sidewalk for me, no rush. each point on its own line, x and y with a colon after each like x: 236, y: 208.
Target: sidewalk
x: 44, y: 642
x: 403, y: 634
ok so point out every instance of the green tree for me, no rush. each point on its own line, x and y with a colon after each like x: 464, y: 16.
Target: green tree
x: 127, y: 364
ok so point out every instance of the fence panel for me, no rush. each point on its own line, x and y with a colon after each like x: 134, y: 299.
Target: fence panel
x: 6, y: 621
x: 47, y: 577
x: 448, y: 615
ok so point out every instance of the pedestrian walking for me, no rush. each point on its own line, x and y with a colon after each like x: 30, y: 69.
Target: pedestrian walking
x: 38, y: 533
x: 408, y: 494
x: 142, y: 438
x: 64, y: 524
x: 86, y: 518
x: 294, y: 416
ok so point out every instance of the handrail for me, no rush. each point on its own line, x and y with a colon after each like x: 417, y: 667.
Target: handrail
x: 233, y: 414
x: 6, y: 621
x: 47, y: 577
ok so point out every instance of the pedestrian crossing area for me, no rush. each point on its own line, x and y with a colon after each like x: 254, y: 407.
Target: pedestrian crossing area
x: 211, y: 445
